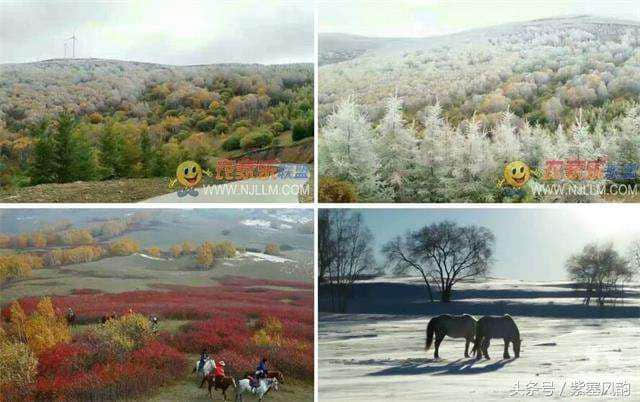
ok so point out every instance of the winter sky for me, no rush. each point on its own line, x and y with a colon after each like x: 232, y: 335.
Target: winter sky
x: 531, y: 243
x: 181, y: 32
x: 422, y: 18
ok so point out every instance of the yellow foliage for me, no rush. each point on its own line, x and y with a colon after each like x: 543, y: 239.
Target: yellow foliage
x: 15, y: 266
x: 176, y: 250
x: 73, y: 255
x: 45, y: 328
x: 272, y: 249
x: 41, y: 330
x: 4, y: 240
x: 187, y: 247
x: 270, y: 334
x: 154, y: 251
x: 38, y: 240
x: 18, y: 322
x: 124, y: 246
x: 126, y: 333
x: 18, y: 365
x: 205, y: 255
x: 225, y: 249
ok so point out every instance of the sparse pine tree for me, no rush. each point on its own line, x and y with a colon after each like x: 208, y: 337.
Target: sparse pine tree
x: 44, y: 168
x: 146, y: 154
x: 110, y: 152
x: 64, y: 148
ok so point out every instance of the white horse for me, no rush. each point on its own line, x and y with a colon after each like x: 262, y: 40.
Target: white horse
x: 209, y: 367
x: 266, y: 384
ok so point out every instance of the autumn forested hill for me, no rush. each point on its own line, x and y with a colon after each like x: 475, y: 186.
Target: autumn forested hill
x: 91, y: 119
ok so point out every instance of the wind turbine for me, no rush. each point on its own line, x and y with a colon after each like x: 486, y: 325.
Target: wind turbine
x: 73, y: 38
x: 65, y: 50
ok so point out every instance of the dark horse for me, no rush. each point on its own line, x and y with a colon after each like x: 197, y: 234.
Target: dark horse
x: 504, y: 327
x: 106, y: 317
x: 71, y: 316
x: 222, y: 383
x: 455, y: 326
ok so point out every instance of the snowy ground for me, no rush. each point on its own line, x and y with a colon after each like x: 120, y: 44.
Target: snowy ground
x: 569, y: 356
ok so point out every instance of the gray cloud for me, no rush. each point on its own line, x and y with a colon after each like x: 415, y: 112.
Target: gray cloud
x: 162, y: 31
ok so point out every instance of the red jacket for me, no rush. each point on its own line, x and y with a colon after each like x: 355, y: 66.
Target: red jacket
x: 219, y: 370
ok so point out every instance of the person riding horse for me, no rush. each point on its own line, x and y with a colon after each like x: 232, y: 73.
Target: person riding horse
x: 154, y: 323
x: 71, y: 316
x: 204, y: 356
x: 219, y: 373
x: 261, y: 372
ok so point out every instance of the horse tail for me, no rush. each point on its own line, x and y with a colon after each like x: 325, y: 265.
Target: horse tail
x: 430, y: 330
x: 479, y: 333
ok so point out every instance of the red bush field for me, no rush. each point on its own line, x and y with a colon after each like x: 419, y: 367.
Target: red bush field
x: 238, y: 321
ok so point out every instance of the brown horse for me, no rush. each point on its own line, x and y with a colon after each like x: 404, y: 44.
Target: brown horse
x: 270, y: 374
x: 217, y: 383
x: 71, y: 316
x: 454, y: 326
x: 504, y: 327
x: 106, y: 318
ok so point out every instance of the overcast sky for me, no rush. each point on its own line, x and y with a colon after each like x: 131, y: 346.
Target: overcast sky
x: 422, y: 18
x: 180, y: 32
x: 531, y: 244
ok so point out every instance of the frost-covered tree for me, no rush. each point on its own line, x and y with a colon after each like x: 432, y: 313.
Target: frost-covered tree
x: 395, y: 147
x: 346, y: 149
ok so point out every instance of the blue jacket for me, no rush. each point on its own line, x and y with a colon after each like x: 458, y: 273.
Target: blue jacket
x: 262, y: 366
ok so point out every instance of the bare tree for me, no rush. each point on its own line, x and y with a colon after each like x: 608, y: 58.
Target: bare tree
x: 601, y: 271
x: 443, y: 253
x: 347, y: 244
x: 325, y: 236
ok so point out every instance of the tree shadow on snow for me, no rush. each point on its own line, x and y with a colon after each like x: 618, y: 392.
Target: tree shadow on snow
x: 440, y: 367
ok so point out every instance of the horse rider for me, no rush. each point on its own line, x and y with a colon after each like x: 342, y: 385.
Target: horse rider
x: 219, y: 373
x: 154, y: 323
x: 70, y: 315
x: 204, y: 356
x: 261, y: 370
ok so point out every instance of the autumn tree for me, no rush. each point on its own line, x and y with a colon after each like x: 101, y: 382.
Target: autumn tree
x: 125, y: 246
x: 224, y: 249
x: 176, y: 250
x: 154, y: 251
x: 187, y: 247
x: 204, y: 255
x: 272, y: 249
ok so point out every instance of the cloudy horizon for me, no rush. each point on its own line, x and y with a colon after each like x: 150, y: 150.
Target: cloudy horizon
x: 425, y: 18
x: 195, y: 32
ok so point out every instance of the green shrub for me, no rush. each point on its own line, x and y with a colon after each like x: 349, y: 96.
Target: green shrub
x: 302, y: 128
x: 241, y: 132
x: 258, y: 139
x: 240, y: 123
x: 231, y: 143
x: 277, y: 127
x: 221, y: 128
x: 334, y: 190
x: 206, y: 124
